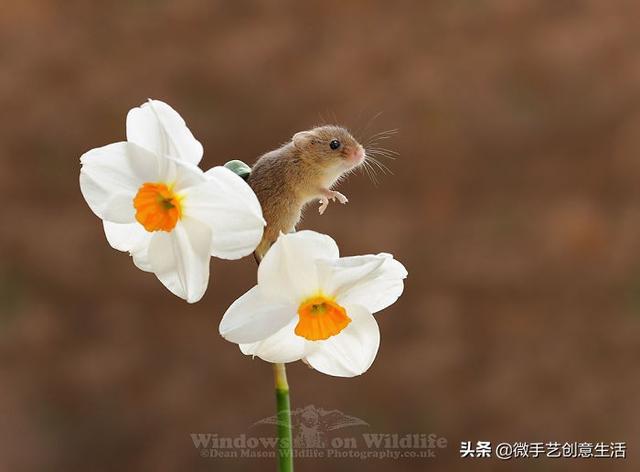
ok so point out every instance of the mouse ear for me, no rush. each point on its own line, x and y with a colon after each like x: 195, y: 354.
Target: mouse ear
x: 302, y: 138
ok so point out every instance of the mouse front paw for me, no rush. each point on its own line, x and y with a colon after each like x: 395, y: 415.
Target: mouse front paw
x: 333, y: 195
x: 340, y: 197
x: 324, y: 203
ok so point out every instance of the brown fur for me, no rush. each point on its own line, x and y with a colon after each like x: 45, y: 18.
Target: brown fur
x: 288, y: 178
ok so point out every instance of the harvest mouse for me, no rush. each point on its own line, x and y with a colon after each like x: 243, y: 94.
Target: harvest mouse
x: 302, y: 170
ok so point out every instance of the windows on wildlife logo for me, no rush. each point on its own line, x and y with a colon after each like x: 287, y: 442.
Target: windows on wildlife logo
x: 320, y: 433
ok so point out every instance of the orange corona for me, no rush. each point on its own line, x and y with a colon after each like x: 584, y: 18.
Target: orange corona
x: 158, y: 208
x: 320, y: 318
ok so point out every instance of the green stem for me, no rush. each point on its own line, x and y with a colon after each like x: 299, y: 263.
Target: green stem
x: 285, y: 442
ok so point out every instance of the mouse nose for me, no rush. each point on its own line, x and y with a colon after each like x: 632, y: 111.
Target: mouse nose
x: 357, y: 155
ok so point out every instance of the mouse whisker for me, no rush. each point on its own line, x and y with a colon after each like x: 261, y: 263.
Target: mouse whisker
x: 366, y: 167
x: 382, y: 152
x: 383, y: 168
x: 379, y: 147
x: 371, y: 173
x: 361, y: 130
x: 376, y: 141
x: 385, y: 133
x: 382, y: 135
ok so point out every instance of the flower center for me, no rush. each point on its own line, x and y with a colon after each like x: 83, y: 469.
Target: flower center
x: 158, y: 208
x: 320, y: 318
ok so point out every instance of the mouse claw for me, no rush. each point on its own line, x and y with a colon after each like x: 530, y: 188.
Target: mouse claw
x: 324, y: 203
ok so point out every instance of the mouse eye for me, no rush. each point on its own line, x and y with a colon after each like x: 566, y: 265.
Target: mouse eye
x: 334, y: 144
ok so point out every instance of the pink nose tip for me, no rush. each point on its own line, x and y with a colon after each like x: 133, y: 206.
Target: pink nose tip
x: 357, y: 154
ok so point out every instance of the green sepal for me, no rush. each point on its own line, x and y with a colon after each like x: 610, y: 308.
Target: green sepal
x: 239, y: 168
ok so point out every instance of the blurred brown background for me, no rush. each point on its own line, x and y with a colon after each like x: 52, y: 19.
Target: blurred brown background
x: 515, y: 205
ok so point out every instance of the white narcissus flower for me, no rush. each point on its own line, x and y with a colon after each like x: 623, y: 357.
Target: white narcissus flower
x: 312, y: 305
x: 157, y: 204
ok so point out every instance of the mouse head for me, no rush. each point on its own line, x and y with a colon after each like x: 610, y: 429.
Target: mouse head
x: 331, y: 146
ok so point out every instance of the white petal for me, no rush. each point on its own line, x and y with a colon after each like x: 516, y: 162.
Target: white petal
x: 120, y: 209
x: 180, y: 259
x: 289, y: 271
x: 160, y: 129
x: 111, y: 176
x: 229, y: 207
x: 377, y: 290
x: 283, y: 346
x: 352, y: 351
x: 126, y: 237
x: 184, y: 175
x: 254, y: 317
x: 232, y: 184
x: 132, y: 238
x: 337, y: 276
x: 141, y: 260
